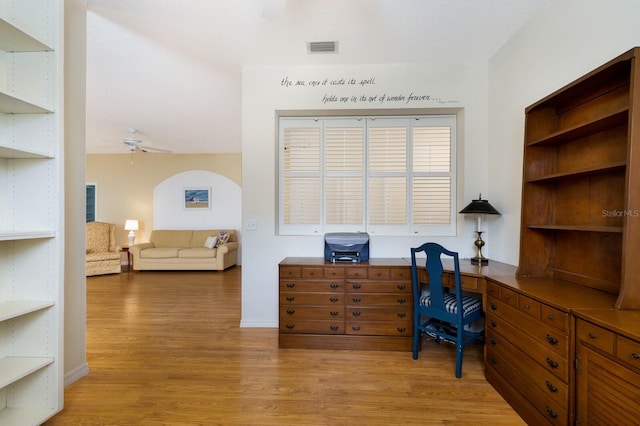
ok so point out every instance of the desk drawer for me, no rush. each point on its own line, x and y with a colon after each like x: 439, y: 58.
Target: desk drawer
x: 297, y: 285
x: 595, y: 336
x: 628, y: 351
x: 290, y: 272
x: 379, y: 328
x: 336, y: 299
x: 366, y: 299
x: 529, y: 306
x: 400, y: 313
x: 312, y: 327
x: 554, y: 317
x: 379, y: 287
x: 324, y: 313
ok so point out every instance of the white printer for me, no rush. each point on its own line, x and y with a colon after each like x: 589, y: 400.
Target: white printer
x: 346, y: 247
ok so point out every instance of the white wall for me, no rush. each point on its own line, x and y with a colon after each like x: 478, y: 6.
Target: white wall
x: 563, y: 41
x: 75, y: 361
x: 225, y: 203
x: 266, y: 90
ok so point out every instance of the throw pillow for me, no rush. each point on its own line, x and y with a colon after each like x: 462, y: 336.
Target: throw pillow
x: 223, y: 237
x: 211, y: 242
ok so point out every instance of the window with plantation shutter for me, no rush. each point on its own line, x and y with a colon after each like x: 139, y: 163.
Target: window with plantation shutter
x: 383, y: 175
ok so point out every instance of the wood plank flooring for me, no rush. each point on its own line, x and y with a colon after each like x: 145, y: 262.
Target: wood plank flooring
x: 165, y: 348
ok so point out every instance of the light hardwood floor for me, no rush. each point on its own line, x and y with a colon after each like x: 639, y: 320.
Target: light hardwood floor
x: 166, y: 348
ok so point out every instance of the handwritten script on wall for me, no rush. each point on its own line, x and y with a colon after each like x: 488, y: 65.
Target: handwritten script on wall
x: 380, y: 98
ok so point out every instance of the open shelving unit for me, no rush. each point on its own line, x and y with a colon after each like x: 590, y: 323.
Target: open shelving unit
x: 31, y: 211
x: 580, y: 202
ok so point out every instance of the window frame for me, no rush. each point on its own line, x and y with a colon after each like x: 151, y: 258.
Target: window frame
x: 451, y: 116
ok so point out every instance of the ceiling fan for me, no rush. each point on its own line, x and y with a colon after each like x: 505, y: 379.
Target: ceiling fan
x: 134, y: 143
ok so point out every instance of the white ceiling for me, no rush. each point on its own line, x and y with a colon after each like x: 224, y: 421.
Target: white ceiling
x: 172, y: 68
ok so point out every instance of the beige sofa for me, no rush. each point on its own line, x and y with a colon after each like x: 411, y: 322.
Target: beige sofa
x: 103, y: 256
x: 180, y: 250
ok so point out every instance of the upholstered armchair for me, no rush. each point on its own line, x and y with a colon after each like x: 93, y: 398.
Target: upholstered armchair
x: 103, y: 257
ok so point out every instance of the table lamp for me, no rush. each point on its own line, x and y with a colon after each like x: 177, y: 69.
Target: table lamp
x: 131, y: 225
x: 479, y: 208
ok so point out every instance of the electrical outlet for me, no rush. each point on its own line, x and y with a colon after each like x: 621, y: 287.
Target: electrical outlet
x: 251, y: 225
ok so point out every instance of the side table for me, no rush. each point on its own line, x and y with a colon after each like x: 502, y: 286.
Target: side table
x: 125, y: 249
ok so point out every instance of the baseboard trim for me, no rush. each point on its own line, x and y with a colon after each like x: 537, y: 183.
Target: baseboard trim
x: 258, y: 324
x: 76, y: 374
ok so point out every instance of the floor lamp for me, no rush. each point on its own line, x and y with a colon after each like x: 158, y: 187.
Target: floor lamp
x: 479, y: 208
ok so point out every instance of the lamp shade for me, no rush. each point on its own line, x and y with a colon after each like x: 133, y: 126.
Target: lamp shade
x: 131, y: 225
x: 479, y: 206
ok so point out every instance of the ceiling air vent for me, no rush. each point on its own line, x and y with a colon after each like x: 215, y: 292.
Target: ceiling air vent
x: 322, y: 47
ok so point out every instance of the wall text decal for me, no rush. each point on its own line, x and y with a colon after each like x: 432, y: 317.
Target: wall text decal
x: 381, y: 98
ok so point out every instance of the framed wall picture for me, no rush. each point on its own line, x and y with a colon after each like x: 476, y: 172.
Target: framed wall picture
x: 197, y: 198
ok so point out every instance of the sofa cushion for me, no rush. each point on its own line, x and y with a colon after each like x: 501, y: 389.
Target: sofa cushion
x: 160, y: 252
x: 223, y: 238
x: 171, y: 238
x: 197, y: 253
x: 211, y: 242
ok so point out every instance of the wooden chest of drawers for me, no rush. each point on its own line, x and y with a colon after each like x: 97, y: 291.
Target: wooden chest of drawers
x: 349, y: 306
x: 527, y: 353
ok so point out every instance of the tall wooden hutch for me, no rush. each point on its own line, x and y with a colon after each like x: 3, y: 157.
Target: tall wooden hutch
x: 563, y: 335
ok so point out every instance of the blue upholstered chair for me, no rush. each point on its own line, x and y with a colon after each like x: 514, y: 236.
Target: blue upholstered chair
x: 438, y: 312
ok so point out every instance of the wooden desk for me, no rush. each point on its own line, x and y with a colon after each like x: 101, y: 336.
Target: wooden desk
x: 366, y: 305
x: 471, y: 276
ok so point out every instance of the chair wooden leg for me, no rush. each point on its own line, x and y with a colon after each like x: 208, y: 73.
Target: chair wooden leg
x: 416, y: 340
x: 459, y: 360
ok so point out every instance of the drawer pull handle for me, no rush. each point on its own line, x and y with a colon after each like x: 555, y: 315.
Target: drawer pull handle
x: 333, y: 299
x: 635, y: 355
x: 401, y: 301
x: 507, y: 297
x: 551, y: 413
x: 552, y: 340
x: 552, y: 363
x: 493, y: 324
x: 356, y: 300
x: 334, y: 328
x: 526, y: 306
x: 493, y: 341
x: 357, y: 286
x: 401, y: 329
x: 401, y: 286
x: 356, y: 313
x: 403, y: 314
x: 291, y: 311
x: 334, y: 313
x: 356, y: 328
x: 551, y: 317
x: 551, y: 387
x: 493, y: 361
x: 494, y: 307
x: 290, y: 298
x: 291, y: 285
x: 290, y: 326
x: 592, y: 336
x: 334, y: 285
